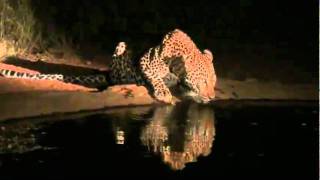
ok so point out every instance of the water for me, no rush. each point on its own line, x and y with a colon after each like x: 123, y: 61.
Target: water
x: 188, y: 140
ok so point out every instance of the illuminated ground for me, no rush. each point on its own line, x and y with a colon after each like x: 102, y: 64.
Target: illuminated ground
x: 25, y: 98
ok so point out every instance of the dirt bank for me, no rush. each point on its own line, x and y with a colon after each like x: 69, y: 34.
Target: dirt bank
x: 21, y: 98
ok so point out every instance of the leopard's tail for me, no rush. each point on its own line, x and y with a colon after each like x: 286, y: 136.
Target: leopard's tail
x: 91, y: 80
x: 22, y: 75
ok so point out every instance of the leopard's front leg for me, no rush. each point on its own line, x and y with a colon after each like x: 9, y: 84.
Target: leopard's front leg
x: 161, y: 91
x: 154, y: 69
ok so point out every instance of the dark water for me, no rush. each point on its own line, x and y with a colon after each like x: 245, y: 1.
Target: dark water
x: 188, y: 140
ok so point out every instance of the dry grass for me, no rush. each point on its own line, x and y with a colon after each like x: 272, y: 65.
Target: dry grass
x: 21, y: 34
x: 7, y: 49
x: 18, y: 27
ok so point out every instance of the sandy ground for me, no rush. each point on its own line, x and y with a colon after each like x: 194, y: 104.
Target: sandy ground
x: 21, y: 98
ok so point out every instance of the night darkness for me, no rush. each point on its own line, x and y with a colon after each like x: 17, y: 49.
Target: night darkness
x: 249, y: 38
x: 262, y: 120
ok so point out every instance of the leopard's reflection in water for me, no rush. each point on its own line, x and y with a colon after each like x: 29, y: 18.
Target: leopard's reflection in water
x: 180, y: 134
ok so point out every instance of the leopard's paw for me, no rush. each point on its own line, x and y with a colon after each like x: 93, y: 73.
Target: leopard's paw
x: 164, y: 96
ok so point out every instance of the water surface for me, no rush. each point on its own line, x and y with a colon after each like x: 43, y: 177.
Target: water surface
x: 186, y: 140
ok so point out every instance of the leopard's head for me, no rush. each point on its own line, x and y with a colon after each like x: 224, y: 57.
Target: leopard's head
x: 120, y: 49
x: 200, y: 78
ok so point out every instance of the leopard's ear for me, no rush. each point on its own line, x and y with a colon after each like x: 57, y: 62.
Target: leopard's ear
x: 208, y: 53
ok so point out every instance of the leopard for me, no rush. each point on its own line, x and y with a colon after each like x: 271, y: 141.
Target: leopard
x: 122, y: 67
x: 176, y: 61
